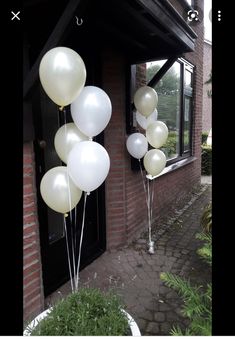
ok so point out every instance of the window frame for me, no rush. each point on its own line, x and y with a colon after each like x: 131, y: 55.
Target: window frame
x: 185, y: 65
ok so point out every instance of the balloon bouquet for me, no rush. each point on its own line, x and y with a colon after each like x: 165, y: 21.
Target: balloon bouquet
x: 145, y: 100
x: 62, y: 74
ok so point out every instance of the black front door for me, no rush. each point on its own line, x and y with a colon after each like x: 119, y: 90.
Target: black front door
x: 47, y: 120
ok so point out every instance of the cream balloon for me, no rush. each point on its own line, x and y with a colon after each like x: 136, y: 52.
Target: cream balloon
x: 157, y: 133
x: 91, y: 111
x: 145, y: 100
x: 62, y: 74
x: 58, y: 191
x: 66, y: 137
x: 137, y: 145
x: 145, y: 121
x: 88, y: 165
x: 154, y: 161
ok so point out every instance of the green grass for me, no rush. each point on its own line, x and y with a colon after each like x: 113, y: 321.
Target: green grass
x: 88, y: 312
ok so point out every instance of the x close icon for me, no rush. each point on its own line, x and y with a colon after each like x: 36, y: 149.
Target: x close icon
x: 15, y: 16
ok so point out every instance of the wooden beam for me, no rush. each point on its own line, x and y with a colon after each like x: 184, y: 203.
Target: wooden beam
x: 170, y: 20
x: 121, y: 35
x: 52, y: 42
x: 162, y: 71
x: 140, y: 17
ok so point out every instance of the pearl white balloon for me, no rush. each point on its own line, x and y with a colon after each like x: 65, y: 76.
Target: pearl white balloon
x: 143, y: 121
x: 145, y: 100
x: 137, y: 145
x: 58, y: 191
x: 91, y: 111
x: 157, y: 133
x: 154, y: 161
x: 62, y: 74
x: 66, y: 137
x: 88, y: 165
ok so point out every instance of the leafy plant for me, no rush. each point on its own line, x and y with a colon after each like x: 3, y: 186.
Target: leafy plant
x: 206, y: 251
x: 206, y: 157
x: 206, y: 219
x: 209, y: 81
x: 204, y: 137
x: 86, y: 312
x: 197, y: 299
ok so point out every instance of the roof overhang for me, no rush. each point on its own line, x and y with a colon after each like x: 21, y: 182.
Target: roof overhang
x: 142, y: 29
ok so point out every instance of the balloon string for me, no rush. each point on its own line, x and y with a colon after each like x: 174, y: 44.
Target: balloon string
x: 144, y: 183
x: 152, y: 198
x: 149, y: 212
x: 81, y: 238
x: 67, y: 245
x: 70, y: 204
x: 75, y: 228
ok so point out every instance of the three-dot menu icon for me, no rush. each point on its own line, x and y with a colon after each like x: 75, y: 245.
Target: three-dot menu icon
x: 219, y: 15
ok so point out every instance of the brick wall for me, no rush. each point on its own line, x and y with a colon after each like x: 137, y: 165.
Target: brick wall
x: 32, y: 273
x: 126, y: 213
x: 207, y: 102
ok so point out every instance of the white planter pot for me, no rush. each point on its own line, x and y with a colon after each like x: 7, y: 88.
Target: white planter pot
x: 133, y: 326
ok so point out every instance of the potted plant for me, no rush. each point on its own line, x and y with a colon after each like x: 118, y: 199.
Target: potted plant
x: 88, y: 312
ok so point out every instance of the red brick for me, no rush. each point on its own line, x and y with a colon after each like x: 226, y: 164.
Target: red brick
x: 31, y: 268
x: 29, y: 199
x: 34, y: 256
x: 30, y: 219
x: 34, y: 275
x: 31, y: 295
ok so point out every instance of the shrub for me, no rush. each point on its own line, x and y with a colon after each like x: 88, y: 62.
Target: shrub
x: 206, y: 156
x: 206, y: 219
x: 86, y: 312
x: 204, y: 137
x: 197, y: 300
x: 197, y: 306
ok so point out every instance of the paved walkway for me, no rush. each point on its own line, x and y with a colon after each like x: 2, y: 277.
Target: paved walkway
x: 135, y: 274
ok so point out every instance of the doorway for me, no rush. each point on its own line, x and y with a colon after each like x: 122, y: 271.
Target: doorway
x: 47, y: 120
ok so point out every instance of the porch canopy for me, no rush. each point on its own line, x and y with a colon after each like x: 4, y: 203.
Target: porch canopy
x: 142, y: 29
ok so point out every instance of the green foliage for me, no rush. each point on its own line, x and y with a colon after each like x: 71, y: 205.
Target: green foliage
x: 206, y: 156
x: 206, y: 219
x: 168, y: 90
x: 88, y: 312
x: 204, y: 137
x: 209, y: 81
x: 197, y: 300
x: 206, y: 251
x: 170, y: 147
x: 197, y: 305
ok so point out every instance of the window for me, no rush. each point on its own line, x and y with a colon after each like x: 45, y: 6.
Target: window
x: 174, y: 104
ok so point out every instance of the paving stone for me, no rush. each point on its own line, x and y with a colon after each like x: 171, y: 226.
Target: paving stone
x: 152, y: 328
x: 172, y: 316
x: 159, y: 316
x: 141, y: 324
x: 146, y: 315
x: 164, y: 307
x: 165, y: 328
x: 137, y: 273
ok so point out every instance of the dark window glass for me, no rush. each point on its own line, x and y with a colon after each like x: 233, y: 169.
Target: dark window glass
x: 175, y: 90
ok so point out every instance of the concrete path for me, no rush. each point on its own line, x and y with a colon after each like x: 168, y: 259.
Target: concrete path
x: 135, y: 275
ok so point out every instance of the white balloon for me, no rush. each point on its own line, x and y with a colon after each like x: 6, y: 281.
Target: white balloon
x: 157, y: 133
x: 66, y: 137
x: 137, y: 145
x: 58, y: 191
x: 91, y: 111
x: 145, y: 100
x: 88, y: 165
x: 154, y: 161
x: 62, y: 74
x: 145, y: 121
